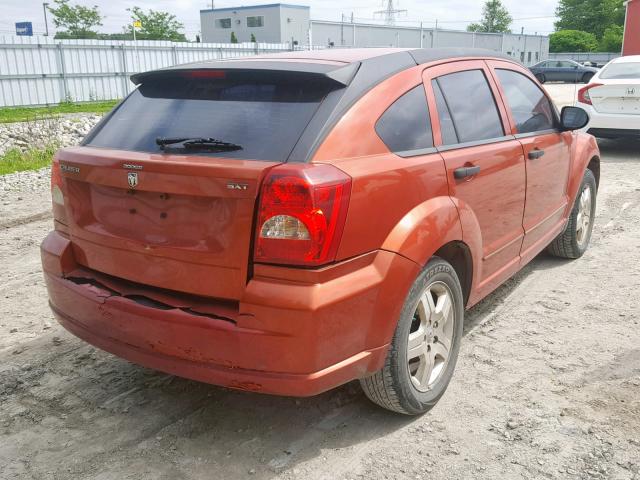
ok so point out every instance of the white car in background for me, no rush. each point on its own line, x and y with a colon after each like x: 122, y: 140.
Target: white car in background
x: 612, y: 99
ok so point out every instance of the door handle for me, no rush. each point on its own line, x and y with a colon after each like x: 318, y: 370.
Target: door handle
x: 464, y: 172
x: 537, y: 153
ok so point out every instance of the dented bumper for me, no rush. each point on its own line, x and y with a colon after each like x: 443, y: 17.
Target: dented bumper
x: 295, y: 333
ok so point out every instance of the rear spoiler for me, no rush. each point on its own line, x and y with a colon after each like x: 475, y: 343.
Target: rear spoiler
x: 340, y: 76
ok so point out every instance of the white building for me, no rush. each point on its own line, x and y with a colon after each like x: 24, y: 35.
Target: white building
x: 283, y: 23
x: 273, y: 23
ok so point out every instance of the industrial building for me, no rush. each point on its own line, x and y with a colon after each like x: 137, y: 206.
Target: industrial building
x: 284, y: 23
x: 274, y: 23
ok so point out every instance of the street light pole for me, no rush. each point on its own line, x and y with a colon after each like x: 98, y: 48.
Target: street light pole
x: 46, y: 24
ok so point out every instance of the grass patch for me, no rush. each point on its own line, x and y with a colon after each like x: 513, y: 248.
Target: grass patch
x: 24, y: 114
x: 15, y: 160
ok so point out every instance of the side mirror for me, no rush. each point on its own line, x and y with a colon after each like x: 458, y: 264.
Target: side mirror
x: 573, y: 118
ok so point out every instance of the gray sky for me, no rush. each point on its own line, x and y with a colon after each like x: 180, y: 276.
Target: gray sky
x: 454, y: 14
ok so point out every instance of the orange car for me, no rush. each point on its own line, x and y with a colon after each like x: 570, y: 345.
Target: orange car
x: 288, y: 223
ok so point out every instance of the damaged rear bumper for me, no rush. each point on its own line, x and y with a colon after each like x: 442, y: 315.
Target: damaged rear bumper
x: 290, y: 337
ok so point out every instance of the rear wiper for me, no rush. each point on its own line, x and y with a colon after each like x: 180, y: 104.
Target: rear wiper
x: 197, y: 143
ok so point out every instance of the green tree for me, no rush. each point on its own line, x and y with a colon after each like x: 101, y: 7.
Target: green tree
x: 495, y: 19
x: 75, y: 21
x: 253, y: 38
x: 572, y: 41
x: 593, y: 16
x: 612, y: 39
x: 234, y: 39
x: 156, y: 25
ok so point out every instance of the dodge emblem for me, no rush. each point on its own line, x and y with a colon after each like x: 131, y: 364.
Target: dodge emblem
x: 132, y: 178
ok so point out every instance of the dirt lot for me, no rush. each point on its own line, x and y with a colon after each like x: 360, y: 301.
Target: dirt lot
x: 547, y: 386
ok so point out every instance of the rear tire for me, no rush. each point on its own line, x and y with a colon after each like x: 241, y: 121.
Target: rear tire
x: 424, y: 350
x: 541, y: 78
x: 586, y: 78
x: 573, y: 242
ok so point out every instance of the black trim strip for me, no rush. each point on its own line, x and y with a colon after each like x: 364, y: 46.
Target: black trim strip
x: 416, y: 153
x: 446, y: 148
x: 533, y: 134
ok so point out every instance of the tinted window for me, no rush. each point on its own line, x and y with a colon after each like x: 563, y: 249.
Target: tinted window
x: 447, y: 128
x: 530, y: 107
x: 405, y: 125
x: 266, y: 119
x: 472, y: 106
x: 621, y: 70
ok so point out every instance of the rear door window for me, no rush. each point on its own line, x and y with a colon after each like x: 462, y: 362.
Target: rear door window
x: 405, y: 126
x: 471, y: 106
x: 266, y: 118
x: 530, y: 107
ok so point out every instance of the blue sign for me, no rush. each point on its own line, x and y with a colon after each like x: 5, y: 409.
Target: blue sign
x: 24, y: 29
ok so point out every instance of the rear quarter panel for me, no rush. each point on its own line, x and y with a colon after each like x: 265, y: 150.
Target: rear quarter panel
x: 397, y: 204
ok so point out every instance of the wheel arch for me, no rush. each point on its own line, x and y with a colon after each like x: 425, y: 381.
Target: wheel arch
x: 586, y: 155
x: 458, y: 254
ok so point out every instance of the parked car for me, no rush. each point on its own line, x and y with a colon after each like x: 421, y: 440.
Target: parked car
x: 288, y: 223
x: 612, y: 99
x: 562, y: 71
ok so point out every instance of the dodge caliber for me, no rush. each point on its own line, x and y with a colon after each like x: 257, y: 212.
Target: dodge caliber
x: 288, y: 223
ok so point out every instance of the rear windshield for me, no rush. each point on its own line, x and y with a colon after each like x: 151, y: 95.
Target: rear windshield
x: 621, y: 71
x: 265, y: 118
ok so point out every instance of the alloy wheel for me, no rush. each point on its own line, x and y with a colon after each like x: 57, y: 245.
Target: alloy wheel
x: 583, y: 219
x: 431, y: 336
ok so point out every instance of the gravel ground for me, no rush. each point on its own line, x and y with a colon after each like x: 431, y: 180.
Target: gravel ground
x: 547, y: 385
x: 65, y: 129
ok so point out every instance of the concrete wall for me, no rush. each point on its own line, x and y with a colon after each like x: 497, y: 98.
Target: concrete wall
x: 281, y: 23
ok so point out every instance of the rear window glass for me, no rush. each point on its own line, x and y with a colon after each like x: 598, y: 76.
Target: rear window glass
x: 265, y: 118
x: 472, y: 107
x: 406, y: 126
x: 621, y: 71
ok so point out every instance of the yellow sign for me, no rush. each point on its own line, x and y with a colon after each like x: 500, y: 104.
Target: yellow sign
x: 137, y: 24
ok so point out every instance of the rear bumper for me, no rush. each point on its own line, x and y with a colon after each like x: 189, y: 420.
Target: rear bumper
x: 610, y: 124
x: 614, y: 132
x: 294, y: 332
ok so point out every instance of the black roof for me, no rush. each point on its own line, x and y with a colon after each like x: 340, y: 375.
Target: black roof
x: 331, y: 63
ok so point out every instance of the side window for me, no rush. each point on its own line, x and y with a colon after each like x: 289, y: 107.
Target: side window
x: 472, y: 108
x: 530, y: 107
x: 405, y: 125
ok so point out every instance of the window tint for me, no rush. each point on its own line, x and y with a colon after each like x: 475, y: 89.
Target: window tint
x: 447, y: 128
x: 266, y: 118
x: 405, y: 125
x: 530, y: 107
x: 472, y: 106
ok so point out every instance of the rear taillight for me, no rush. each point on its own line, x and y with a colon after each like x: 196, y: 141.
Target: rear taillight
x: 583, y: 93
x: 57, y: 194
x: 301, y: 214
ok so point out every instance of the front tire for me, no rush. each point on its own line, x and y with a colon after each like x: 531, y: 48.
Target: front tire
x: 586, y: 78
x: 573, y: 242
x: 424, y: 350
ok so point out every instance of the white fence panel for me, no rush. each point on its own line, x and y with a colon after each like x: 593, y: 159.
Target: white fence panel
x: 43, y: 71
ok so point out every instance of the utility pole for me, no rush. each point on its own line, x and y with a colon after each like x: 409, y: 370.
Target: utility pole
x: 389, y: 13
x: 46, y: 23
